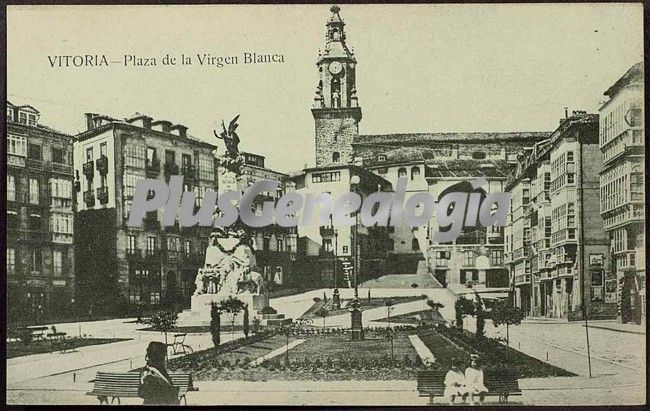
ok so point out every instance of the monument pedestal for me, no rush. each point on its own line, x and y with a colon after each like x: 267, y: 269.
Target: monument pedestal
x: 201, y: 305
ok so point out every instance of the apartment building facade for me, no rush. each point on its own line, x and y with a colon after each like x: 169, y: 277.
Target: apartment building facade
x: 555, y: 245
x: 622, y: 193
x: 40, y: 217
x: 149, y: 265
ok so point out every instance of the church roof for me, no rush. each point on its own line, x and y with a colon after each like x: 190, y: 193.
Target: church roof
x: 478, y: 137
x: 467, y: 168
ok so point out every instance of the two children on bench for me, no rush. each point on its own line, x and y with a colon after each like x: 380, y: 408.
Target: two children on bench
x: 468, y: 384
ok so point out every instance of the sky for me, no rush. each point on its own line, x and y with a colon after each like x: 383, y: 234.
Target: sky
x: 421, y: 68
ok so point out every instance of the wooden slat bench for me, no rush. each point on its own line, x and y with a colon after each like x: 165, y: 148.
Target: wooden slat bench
x: 431, y: 384
x: 118, y: 385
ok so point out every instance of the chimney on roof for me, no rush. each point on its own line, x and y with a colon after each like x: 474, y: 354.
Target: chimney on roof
x: 140, y: 120
x: 179, y: 130
x: 161, y: 125
x: 90, y: 120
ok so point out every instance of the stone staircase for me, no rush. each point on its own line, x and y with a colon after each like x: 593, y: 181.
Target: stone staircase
x: 274, y: 319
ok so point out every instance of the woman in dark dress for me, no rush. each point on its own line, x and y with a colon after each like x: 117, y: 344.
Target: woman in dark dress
x: 155, y: 384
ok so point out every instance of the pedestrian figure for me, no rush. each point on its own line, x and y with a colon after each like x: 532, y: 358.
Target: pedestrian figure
x: 474, y: 379
x: 156, y: 386
x: 455, y: 382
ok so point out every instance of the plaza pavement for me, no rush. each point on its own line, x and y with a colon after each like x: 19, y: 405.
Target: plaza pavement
x: 618, y: 363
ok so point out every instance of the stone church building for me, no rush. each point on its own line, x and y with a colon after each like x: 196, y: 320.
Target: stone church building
x: 436, y: 163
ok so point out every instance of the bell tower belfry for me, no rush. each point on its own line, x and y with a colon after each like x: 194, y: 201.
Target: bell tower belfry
x: 336, y: 109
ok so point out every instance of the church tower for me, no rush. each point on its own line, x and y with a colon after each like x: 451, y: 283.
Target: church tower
x: 336, y: 110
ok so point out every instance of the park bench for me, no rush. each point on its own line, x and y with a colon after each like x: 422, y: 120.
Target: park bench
x: 118, y: 385
x: 38, y: 331
x: 59, y: 341
x: 431, y: 384
x: 179, y: 345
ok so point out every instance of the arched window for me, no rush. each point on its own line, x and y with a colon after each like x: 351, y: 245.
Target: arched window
x: 336, y: 157
x: 336, y: 92
x: 415, y: 172
x: 415, y: 245
x: 427, y: 155
x: 401, y: 172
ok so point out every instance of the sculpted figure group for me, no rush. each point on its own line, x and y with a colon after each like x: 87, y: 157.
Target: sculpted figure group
x: 229, y: 265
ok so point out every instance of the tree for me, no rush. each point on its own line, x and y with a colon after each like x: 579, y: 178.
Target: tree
x: 215, y: 323
x: 163, y: 321
x: 323, y: 313
x: 435, y: 307
x: 232, y: 306
x: 480, y: 315
x: 505, y: 313
x: 463, y: 307
x: 246, y: 321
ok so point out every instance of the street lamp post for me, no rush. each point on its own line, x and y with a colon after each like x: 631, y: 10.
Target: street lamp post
x: 355, y: 310
x: 336, y: 299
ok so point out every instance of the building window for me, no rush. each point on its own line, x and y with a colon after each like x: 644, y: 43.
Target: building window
x: 34, y: 151
x: 345, y: 248
x: 135, y: 156
x: 415, y: 245
x: 327, y: 244
x: 336, y: 157
x: 132, y: 244
x: 326, y: 177
x: 188, y: 247
x: 102, y: 150
x: 280, y: 244
x: 10, y: 114
x: 569, y: 156
x: 11, y: 260
x: 206, y: 167
x: 381, y: 157
x: 61, y: 223
x: 11, y: 187
x: 496, y: 257
x: 57, y: 262
x: 58, y: 156
x: 151, y: 155
x: 35, y: 261
x: 60, y: 193
x: 468, y: 258
x: 570, y: 178
x: 478, y: 155
x: 17, y: 146
x: 266, y: 243
x: 32, y: 120
x: 401, y: 172
x: 415, y: 173
x: 152, y: 245
x: 22, y: 117
x: 89, y: 154
x: 33, y: 191
x: 130, y: 180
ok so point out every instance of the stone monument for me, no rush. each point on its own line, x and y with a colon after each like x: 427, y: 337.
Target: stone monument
x: 230, y: 267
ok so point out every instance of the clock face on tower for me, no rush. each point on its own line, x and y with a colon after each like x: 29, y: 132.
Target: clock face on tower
x: 335, y: 67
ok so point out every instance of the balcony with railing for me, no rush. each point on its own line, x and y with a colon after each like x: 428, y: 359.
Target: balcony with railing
x: 133, y: 253
x: 89, y: 169
x: 171, y: 169
x: 522, y: 279
x: 61, y: 238
x: 89, y: 198
x: 102, y: 165
x: 102, y: 195
x: 153, y: 167
x: 152, y: 254
x: 189, y: 172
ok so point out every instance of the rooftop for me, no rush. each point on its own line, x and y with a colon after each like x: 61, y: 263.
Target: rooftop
x: 468, y: 137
